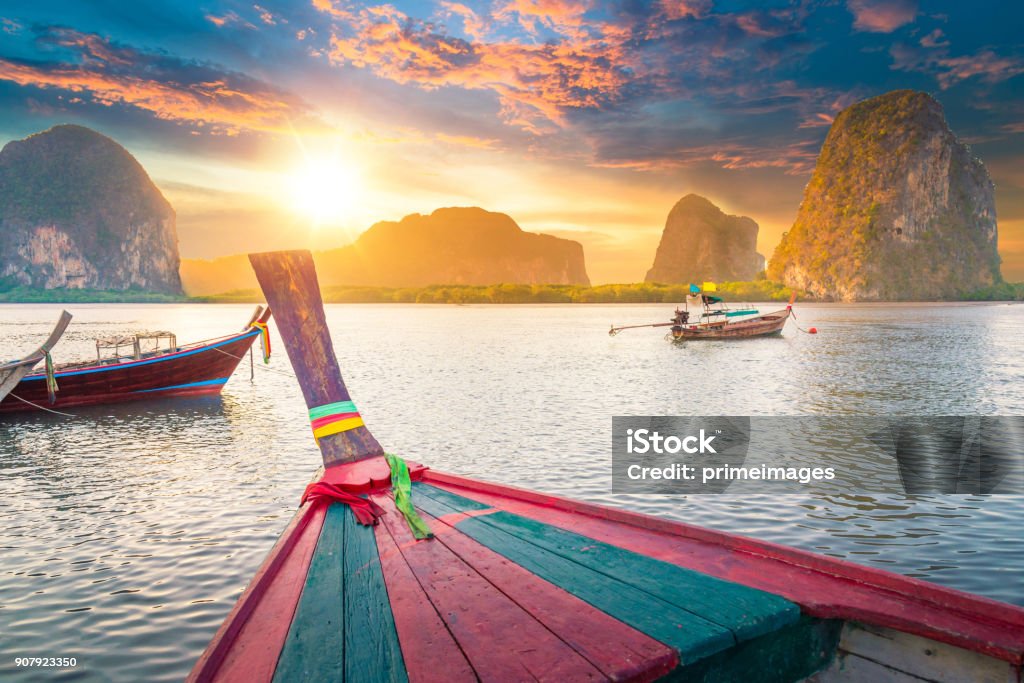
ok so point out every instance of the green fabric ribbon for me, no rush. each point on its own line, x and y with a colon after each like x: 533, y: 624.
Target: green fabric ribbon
x: 402, y: 485
x: 51, y: 379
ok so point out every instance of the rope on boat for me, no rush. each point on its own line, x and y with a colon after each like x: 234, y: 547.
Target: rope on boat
x: 39, y: 407
x: 401, y: 484
x: 262, y: 367
x: 334, y: 418
x: 812, y: 330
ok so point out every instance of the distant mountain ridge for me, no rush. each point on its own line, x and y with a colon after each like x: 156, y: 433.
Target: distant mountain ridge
x: 700, y: 242
x: 460, y: 245
x: 78, y: 211
x: 897, y: 209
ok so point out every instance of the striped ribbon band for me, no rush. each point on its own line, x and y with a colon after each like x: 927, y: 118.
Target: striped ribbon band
x: 334, y: 418
x: 264, y: 339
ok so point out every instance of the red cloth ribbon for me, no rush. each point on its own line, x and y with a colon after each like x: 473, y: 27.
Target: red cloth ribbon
x: 366, y: 511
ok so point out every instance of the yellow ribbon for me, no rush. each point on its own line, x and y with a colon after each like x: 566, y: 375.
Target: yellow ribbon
x: 337, y: 427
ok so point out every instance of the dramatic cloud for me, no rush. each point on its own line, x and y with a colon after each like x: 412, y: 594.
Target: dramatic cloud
x: 986, y: 65
x: 198, y: 94
x: 882, y: 16
x: 535, y: 82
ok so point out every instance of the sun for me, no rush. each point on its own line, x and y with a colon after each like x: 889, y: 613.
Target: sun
x: 325, y: 189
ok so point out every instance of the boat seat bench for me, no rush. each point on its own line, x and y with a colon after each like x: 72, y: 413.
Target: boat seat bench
x: 498, y: 596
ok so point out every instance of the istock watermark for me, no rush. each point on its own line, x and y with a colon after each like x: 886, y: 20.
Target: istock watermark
x: 847, y: 454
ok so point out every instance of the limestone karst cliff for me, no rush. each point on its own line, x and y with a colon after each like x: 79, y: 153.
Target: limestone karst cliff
x: 897, y: 209
x: 78, y: 211
x: 466, y: 246
x: 700, y: 242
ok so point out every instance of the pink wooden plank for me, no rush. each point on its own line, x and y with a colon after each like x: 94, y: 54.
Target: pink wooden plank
x: 430, y: 652
x: 501, y: 640
x: 621, y: 652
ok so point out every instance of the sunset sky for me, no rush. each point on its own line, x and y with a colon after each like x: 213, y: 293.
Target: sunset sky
x: 288, y: 124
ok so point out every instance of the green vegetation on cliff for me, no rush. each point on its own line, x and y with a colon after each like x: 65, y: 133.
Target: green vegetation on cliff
x: 25, y: 295
x: 638, y: 293
x: 897, y: 209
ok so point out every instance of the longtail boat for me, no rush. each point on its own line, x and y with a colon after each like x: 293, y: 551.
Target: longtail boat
x: 706, y: 316
x: 12, y: 371
x: 154, y: 365
x: 391, y: 571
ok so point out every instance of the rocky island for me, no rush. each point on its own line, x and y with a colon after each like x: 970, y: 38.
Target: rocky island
x: 700, y: 242
x: 463, y: 245
x: 451, y: 246
x: 78, y: 211
x: 897, y: 209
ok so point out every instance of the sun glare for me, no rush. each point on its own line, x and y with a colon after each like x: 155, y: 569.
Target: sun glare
x: 325, y: 190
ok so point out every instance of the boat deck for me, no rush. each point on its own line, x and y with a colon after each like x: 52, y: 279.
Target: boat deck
x: 521, y: 586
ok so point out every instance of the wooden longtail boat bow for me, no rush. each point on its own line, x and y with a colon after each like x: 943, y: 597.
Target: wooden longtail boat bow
x: 518, y: 585
x: 11, y: 373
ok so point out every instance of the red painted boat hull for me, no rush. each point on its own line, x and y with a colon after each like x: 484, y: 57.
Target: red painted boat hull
x: 196, y: 371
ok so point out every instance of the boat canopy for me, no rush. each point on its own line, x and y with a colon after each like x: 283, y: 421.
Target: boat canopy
x: 135, y: 342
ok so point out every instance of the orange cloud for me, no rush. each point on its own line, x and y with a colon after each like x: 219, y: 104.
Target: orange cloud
x: 219, y: 102
x: 536, y: 83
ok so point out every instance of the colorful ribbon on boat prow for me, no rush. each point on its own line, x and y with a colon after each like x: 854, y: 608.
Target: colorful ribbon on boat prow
x: 366, y: 511
x: 264, y: 339
x: 401, y: 484
x: 334, y: 418
x: 51, y: 379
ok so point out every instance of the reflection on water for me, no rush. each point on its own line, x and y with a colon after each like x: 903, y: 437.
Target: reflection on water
x: 127, y: 532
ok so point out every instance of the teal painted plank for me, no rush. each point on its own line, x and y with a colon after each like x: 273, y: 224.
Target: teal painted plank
x: 372, y: 651
x: 452, y: 500
x: 792, y: 653
x: 746, y: 612
x: 313, y: 649
x: 692, y: 636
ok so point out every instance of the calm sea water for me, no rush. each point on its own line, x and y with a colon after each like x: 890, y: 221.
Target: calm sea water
x: 127, y: 532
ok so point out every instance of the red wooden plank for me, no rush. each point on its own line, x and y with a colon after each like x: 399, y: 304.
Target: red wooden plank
x: 430, y: 652
x: 249, y: 641
x: 618, y: 650
x: 823, y: 586
x: 501, y: 640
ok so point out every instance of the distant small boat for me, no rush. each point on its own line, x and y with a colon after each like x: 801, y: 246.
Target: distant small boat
x: 153, y: 365
x: 706, y: 316
x: 391, y: 571
x: 12, y: 372
x: 761, y: 326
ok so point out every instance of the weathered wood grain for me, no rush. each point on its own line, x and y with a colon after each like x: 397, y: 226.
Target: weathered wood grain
x: 920, y: 657
x: 501, y: 640
x: 746, y: 612
x: 792, y: 653
x: 692, y: 637
x: 618, y: 650
x: 372, y: 651
x: 430, y: 652
x: 289, y: 283
x: 314, y: 649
